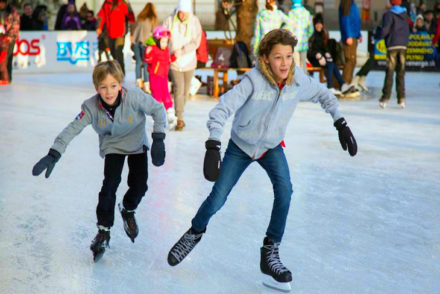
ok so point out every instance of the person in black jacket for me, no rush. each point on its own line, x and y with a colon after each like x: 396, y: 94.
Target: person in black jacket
x: 320, y: 55
x: 27, y: 22
x: 395, y: 31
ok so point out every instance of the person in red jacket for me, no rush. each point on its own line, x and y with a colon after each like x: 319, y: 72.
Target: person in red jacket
x: 202, y: 51
x: 113, y: 15
x: 158, y: 58
x: 9, y: 30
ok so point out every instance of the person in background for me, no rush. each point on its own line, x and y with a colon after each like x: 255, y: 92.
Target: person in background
x: 83, y: 10
x: 40, y: 18
x: 430, y: 22
x: 146, y: 21
x: 9, y: 31
x: 202, y: 51
x: 268, y: 19
x: 118, y: 115
x: 300, y: 24
x: 419, y: 25
x: 395, y: 31
x: 113, y: 15
x: 60, y: 14
x: 186, y: 33
x: 319, y: 55
x: 27, y: 22
x: 90, y: 22
x: 71, y: 20
x: 350, y: 27
x: 158, y: 57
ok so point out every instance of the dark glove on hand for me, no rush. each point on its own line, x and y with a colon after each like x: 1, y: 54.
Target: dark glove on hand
x: 47, y: 162
x: 346, y: 137
x: 158, y: 149
x: 212, y: 162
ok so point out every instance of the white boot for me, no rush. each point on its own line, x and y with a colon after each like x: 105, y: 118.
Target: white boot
x: 172, y: 119
x: 361, y: 83
x: 146, y: 87
x: 335, y: 92
x: 355, y: 81
x: 140, y: 83
x: 349, y: 91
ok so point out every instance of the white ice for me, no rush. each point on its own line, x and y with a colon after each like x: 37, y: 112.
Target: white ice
x: 368, y: 224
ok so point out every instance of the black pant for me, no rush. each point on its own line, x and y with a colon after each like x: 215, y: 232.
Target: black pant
x: 10, y: 57
x: 116, y: 49
x: 365, y: 69
x: 137, y: 185
x: 396, y: 59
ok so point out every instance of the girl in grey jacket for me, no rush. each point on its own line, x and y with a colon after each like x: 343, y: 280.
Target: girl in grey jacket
x: 263, y: 103
x: 118, y: 116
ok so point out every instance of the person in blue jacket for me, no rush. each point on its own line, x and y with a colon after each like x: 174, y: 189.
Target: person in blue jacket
x: 263, y: 103
x: 395, y: 31
x: 350, y: 27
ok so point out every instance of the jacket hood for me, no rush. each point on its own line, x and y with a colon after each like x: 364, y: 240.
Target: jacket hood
x: 397, y: 9
x: 269, y: 75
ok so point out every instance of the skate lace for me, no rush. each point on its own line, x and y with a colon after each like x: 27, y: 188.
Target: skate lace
x: 273, y: 259
x: 184, y: 246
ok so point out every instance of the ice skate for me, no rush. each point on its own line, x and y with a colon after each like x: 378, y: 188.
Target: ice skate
x: 184, y: 246
x: 383, y: 103
x: 130, y: 225
x: 361, y: 83
x: 335, y: 92
x: 140, y: 84
x: 100, y: 242
x: 276, y: 275
x: 401, y: 103
x: 180, y: 125
x: 349, y: 91
x: 146, y: 87
x: 172, y: 119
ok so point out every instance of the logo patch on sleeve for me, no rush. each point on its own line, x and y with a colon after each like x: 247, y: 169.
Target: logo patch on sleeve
x: 80, y: 115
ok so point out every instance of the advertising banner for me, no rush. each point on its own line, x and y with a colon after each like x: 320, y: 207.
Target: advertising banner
x: 60, y: 51
x: 421, y: 54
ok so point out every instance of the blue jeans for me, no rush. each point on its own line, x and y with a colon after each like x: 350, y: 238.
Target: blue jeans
x: 234, y: 164
x: 332, y: 69
x: 139, y: 50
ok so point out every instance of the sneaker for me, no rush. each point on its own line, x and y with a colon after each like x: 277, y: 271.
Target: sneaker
x: 100, y: 242
x: 184, y: 246
x: 130, y: 225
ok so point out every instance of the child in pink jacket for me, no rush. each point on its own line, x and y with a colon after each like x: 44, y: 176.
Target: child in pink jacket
x: 158, y: 58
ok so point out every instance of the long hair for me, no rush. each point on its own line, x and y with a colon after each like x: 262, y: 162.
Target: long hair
x: 149, y: 12
x: 346, y: 5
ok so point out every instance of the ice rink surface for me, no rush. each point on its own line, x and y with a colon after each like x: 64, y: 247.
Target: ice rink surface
x: 368, y: 224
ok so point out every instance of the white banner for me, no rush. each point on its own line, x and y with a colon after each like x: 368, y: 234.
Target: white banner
x: 60, y: 51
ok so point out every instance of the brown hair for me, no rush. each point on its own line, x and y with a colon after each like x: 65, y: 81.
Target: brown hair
x: 346, y: 5
x: 111, y: 67
x: 277, y: 36
x: 149, y: 12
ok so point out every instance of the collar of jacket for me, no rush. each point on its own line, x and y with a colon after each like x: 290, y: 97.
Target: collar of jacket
x: 269, y: 75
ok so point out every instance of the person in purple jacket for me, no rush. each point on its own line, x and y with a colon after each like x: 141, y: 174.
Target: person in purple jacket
x: 395, y: 31
x: 350, y: 26
x: 71, y: 20
x: 263, y: 103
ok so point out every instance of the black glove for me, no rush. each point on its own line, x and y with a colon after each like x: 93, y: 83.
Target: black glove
x: 158, y: 149
x: 212, y: 163
x: 47, y: 162
x: 346, y: 137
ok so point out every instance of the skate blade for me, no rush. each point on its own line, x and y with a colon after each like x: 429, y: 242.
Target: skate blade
x: 270, y: 282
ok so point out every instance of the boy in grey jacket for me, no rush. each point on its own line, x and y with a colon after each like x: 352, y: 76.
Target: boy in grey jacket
x: 118, y: 116
x: 263, y: 103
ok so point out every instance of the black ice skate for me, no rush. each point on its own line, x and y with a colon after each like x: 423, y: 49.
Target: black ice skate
x: 184, y: 246
x: 101, y: 241
x: 277, y: 276
x: 130, y: 225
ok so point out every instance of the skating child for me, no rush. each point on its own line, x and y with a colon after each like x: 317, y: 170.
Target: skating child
x: 157, y: 56
x: 263, y: 103
x: 117, y: 114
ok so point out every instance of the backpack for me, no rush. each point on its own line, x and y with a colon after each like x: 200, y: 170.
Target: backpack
x: 240, y: 56
x: 222, y: 57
